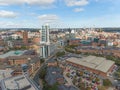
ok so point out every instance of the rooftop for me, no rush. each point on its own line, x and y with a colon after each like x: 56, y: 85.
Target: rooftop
x: 97, y: 63
x: 18, y: 83
x: 53, y: 73
x: 5, y: 74
x: 13, y: 53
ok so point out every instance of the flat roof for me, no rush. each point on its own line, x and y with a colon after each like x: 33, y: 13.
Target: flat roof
x: 13, y: 53
x: 5, y: 74
x: 93, y: 62
x: 19, y: 82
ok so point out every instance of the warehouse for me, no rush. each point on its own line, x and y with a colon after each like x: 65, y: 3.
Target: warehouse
x: 97, y: 65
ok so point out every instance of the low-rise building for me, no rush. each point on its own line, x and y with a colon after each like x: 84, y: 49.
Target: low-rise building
x: 18, y: 83
x: 74, y: 41
x: 97, y: 65
x: 5, y: 74
x: 20, y: 61
x: 52, y: 63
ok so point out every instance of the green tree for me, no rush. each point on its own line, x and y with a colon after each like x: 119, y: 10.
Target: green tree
x: 107, y: 82
x: 101, y: 88
x: 88, y: 88
x: 42, y: 73
x: 53, y: 87
x: 59, y: 54
x: 82, y: 86
x: 68, y: 74
x: 97, y: 79
x: 42, y: 60
x: 74, y: 80
x: 81, y: 73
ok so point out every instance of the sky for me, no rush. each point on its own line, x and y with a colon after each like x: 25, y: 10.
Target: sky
x: 59, y: 13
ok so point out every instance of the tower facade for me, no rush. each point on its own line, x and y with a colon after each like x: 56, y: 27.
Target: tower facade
x: 45, y: 42
x: 45, y: 35
x: 25, y: 36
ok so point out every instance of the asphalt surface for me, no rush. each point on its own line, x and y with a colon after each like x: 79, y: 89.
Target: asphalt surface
x: 36, y: 76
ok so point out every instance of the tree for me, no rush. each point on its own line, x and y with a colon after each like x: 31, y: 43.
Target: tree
x: 117, y: 74
x: 48, y: 87
x: 82, y: 86
x: 23, y: 47
x: 77, y: 52
x: 81, y: 73
x: 107, y: 82
x: 88, y: 88
x: 80, y: 79
x: 59, y: 54
x: 74, y: 80
x: 42, y: 60
x: 101, y: 88
x: 43, y: 73
x: 97, y: 79
x: 68, y: 74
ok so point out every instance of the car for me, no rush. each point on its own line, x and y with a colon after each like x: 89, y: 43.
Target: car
x: 115, y: 80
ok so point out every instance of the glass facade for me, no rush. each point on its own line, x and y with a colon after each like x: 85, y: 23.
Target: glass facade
x: 45, y: 51
x: 45, y: 34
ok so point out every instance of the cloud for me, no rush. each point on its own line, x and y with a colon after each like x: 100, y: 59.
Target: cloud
x: 9, y: 24
x: 48, y: 18
x: 76, y: 2
x: 40, y: 2
x: 78, y: 9
x: 29, y: 2
x: 7, y: 14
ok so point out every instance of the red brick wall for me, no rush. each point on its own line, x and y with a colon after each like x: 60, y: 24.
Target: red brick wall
x: 89, y: 69
x: 17, y: 62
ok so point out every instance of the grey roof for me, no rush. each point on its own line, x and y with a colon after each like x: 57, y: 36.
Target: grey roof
x: 97, y: 63
x: 64, y: 87
x: 19, y: 57
x: 5, y: 74
x: 34, y: 59
x: 52, y: 60
x: 30, y: 52
x: 53, y: 73
x: 13, y: 53
x: 22, y: 82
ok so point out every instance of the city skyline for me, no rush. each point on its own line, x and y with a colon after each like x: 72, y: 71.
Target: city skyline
x: 59, y: 13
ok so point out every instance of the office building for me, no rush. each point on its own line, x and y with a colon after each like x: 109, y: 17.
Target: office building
x: 44, y: 42
x: 45, y: 35
x: 45, y: 51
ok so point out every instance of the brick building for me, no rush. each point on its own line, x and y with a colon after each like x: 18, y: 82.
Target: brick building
x: 97, y: 65
x: 74, y: 42
x: 25, y: 37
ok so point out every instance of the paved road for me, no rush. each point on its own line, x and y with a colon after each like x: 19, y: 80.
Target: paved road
x: 36, y: 76
x: 69, y: 81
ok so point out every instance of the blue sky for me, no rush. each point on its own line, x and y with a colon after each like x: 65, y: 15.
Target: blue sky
x: 59, y: 13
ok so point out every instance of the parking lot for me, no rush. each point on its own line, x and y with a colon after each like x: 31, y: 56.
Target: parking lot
x: 82, y: 76
x: 75, y: 76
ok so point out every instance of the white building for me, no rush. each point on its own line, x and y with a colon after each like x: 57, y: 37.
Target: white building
x: 16, y: 36
x: 45, y: 35
x: 45, y: 42
x: 18, y: 83
x: 33, y: 34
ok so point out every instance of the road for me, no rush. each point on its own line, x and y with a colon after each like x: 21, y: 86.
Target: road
x: 36, y: 76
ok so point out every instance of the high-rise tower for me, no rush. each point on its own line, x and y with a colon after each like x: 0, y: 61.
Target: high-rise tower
x: 45, y: 35
x: 45, y: 42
